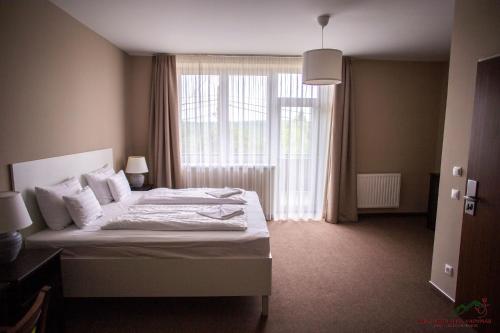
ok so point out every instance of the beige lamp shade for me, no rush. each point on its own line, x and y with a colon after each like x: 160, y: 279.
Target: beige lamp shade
x: 13, y: 213
x: 136, y: 164
x: 322, y: 67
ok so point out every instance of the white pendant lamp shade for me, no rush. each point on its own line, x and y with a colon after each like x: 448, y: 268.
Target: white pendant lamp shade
x: 322, y: 66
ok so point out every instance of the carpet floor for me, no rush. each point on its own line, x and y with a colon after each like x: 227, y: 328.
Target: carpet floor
x: 370, y: 276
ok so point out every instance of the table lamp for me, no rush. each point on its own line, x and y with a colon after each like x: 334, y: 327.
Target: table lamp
x: 136, y: 168
x: 13, y: 217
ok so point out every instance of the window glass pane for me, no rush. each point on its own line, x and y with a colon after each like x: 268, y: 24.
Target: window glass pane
x: 199, y: 119
x: 247, y: 119
x: 295, y: 131
x: 290, y: 85
x: 296, y: 163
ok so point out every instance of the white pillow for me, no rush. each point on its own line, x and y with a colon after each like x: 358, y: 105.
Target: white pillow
x: 97, y: 182
x: 83, y: 207
x: 50, y: 201
x: 119, y: 186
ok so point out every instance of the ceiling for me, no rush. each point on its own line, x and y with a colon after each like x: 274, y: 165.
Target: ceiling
x: 379, y: 29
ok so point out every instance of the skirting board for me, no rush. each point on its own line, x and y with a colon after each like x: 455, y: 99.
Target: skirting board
x: 158, y: 277
x: 441, y: 291
x: 365, y: 213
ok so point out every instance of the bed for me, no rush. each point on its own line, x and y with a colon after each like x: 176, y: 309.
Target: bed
x: 136, y: 263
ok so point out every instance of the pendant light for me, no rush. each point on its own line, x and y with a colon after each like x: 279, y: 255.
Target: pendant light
x: 322, y: 66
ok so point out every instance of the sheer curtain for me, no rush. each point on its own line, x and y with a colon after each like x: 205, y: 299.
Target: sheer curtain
x: 249, y: 122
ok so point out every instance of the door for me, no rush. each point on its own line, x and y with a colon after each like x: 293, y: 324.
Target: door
x: 478, y: 288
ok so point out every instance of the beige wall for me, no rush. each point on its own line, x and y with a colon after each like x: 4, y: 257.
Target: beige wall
x: 399, y: 106
x: 476, y: 34
x: 139, y: 83
x: 62, y: 87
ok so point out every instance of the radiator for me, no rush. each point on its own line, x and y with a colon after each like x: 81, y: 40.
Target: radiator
x: 379, y: 190
x: 252, y: 178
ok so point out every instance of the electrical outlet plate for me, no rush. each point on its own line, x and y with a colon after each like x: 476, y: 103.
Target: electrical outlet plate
x: 448, y: 269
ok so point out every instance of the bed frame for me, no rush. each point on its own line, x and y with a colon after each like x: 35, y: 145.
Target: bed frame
x: 137, y: 277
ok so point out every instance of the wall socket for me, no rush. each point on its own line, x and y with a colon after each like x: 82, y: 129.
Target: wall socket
x: 448, y: 269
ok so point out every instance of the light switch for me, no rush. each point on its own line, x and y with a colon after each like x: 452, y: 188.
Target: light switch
x: 448, y: 269
x: 455, y: 194
x: 457, y: 171
x: 471, y: 188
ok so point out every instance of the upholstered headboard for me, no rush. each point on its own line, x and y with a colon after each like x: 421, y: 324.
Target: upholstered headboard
x: 26, y: 175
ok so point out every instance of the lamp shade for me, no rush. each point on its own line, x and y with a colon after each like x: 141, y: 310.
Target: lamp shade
x: 322, y: 67
x: 136, y: 164
x: 13, y: 213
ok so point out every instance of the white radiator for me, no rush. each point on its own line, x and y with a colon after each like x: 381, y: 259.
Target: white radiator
x: 379, y: 190
x: 258, y: 178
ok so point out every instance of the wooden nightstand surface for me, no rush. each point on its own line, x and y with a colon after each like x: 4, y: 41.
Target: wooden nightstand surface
x: 145, y: 187
x: 22, y: 279
x: 26, y: 263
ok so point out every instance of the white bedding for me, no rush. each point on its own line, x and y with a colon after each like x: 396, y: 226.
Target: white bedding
x: 172, y: 218
x: 166, y: 196
x: 92, y: 242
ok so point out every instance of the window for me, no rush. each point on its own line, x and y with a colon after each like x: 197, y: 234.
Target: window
x: 235, y: 111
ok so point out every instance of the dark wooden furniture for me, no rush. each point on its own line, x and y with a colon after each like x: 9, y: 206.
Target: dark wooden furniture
x: 433, y: 200
x: 145, y: 187
x: 36, y: 318
x: 22, y: 280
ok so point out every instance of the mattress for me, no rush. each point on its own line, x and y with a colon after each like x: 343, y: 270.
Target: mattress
x: 93, y: 243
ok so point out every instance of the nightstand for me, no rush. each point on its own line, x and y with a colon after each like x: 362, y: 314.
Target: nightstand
x: 22, y: 279
x: 145, y: 187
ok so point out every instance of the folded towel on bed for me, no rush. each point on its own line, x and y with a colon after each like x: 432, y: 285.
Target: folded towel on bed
x: 222, y: 212
x: 173, y: 217
x: 224, y: 192
x: 189, y: 196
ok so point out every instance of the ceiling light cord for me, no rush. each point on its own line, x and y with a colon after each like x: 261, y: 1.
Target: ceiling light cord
x: 322, y: 30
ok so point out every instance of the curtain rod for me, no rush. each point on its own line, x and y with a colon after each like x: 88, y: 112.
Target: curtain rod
x: 231, y: 55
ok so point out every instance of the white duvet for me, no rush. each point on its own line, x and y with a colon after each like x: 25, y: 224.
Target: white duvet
x: 172, y: 218
x: 190, y: 196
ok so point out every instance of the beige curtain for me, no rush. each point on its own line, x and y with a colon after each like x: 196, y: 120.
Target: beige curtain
x: 163, y: 148
x: 340, y: 202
